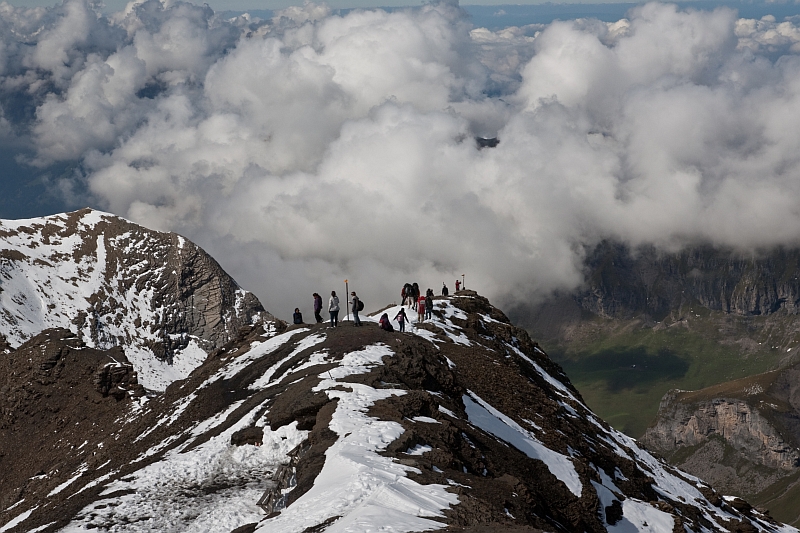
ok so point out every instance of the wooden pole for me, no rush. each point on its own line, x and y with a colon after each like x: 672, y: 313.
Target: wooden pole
x: 347, y: 298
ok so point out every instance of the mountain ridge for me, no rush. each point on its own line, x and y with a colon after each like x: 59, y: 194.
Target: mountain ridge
x: 461, y: 423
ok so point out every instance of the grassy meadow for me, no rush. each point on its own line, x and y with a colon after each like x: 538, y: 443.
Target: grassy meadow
x: 623, y: 369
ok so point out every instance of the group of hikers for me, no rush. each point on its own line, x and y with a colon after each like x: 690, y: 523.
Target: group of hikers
x: 356, y: 305
x: 410, y: 295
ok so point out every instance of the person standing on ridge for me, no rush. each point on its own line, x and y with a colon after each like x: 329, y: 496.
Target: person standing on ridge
x: 333, y: 309
x: 317, y: 307
x: 421, y: 309
x: 429, y: 304
x: 298, y: 316
x: 445, y: 292
x: 458, y: 285
x: 401, y: 319
x: 355, y: 308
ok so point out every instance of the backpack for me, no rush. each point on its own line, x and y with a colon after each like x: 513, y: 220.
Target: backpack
x: 360, y: 305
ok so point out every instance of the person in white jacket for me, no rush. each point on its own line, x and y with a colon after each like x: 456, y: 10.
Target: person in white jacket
x: 333, y: 309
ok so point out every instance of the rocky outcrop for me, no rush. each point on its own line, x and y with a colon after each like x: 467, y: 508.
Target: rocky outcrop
x: 742, y: 436
x: 743, y: 427
x: 115, y: 283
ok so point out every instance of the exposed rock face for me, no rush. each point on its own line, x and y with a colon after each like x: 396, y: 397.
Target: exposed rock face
x: 740, y: 425
x: 56, y: 395
x: 462, y: 423
x: 115, y: 283
x: 742, y: 436
x: 622, y: 282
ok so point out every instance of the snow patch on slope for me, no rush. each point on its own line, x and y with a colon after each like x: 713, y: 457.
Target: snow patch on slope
x: 214, y: 486
x: 368, y: 491
x: 489, y: 419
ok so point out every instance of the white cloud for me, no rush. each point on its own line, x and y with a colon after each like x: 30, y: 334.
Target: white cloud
x: 316, y: 147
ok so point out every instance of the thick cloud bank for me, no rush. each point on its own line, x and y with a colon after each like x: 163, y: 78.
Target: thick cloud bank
x: 315, y: 147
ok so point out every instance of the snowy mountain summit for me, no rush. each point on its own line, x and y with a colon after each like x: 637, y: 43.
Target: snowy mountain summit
x: 115, y: 283
x: 461, y: 424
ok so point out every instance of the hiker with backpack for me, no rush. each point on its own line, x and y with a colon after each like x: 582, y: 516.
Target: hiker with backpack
x: 356, y: 307
x: 385, y: 324
x: 333, y: 309
x: 317, y: 307
x: 409, y: 294
x: 429, y: 304
x: 401, y: 319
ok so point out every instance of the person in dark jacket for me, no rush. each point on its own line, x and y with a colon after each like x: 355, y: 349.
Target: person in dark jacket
x: 402, y: 318
x: 445, y: 291
x: 298, y: 316
x: 354, y: 308
x: 317, y: 307
x: 429, y: 304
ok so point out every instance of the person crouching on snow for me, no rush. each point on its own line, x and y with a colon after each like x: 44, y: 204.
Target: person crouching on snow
x: 384, y: 323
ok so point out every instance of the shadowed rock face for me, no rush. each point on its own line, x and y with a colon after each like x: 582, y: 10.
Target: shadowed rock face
x: 465, y: 410
x: 622, y: 282
x: 114, y: 283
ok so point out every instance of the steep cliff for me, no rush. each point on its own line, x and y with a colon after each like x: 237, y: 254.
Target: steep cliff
x: 623, y: 282
x: 742, y: 436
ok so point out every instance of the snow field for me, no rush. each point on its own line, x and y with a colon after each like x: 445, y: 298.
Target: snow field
x: 266, y: 380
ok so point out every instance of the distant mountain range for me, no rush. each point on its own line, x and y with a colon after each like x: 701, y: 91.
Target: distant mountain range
x: 463, y: 423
